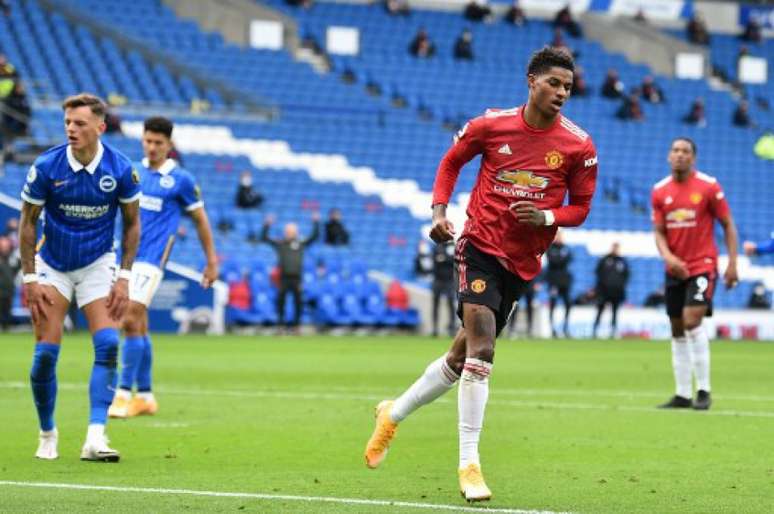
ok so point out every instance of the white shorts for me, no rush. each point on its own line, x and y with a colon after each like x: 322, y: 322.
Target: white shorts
x: 145, y: 281
x: 89, y: 283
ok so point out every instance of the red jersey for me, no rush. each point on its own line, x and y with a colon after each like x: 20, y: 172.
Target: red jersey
x: 520, y: 163
x: 688, y: 210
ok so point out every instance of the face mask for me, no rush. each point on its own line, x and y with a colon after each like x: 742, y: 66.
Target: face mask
x: 246, y: 181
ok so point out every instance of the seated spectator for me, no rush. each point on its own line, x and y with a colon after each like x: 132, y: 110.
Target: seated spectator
x: 759, y: 298
x: 421, y: 46
x: 612, y: 87
x: 564, y: 20
x: 8, y: 76
x: 742, y: 115
x: 397, y: 7
x: 397, y: 297
x: 579, y: 87
x: 5, y: 7
x: 463, y: 47
x: 630, y: 108
x: 17, y: 118
x: 175, y: 155
x: 651, y: 92
x: 697, y: 30
x: 336, y: 233
x: 112, y: 122
x: 12, y: 231
x: 752, y: 31
x: 239, y: 294
x: 477, y: 10
x: 640, y: 16
x: 515, y: 15
x: 247, y: 197
x: 696, y: 114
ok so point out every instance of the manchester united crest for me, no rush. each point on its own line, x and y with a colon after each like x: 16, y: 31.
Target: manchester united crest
x: 554, y: 159
x: 695, y: 198
x: 478, y: 286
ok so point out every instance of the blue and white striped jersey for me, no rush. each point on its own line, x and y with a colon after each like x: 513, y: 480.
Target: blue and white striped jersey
x: 165, y: 193
x: 81, y: 202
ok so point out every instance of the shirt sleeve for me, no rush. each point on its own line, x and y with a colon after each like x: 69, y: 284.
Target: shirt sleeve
x: 656, y: 214
x: 468, y: 143
x: 129, y: 185
x: 190, y: 195
x: 36, y: 187
x: 581, y: 185
x: 717, y: 202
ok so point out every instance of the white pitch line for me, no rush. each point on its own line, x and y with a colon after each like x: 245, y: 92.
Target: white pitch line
x: 262, y: 496
x: 316, y: 395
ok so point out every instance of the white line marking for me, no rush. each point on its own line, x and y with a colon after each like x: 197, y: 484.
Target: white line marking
x: 527, y: 404
x: 262, y: 496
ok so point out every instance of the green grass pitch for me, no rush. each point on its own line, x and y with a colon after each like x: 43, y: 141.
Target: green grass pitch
x: 570, y: 426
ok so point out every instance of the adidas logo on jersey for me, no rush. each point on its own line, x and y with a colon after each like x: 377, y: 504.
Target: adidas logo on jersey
x: 505, y: 149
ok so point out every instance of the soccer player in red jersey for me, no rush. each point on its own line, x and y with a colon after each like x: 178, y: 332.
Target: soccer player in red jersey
x: 532, y: 157
x: 685, y: 207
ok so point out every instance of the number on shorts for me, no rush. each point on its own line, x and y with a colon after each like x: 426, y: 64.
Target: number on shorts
x: 142, y: 281
x: 702, y: 284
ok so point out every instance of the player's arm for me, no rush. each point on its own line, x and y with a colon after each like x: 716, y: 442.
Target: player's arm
x: 731, y: 276
x: 676, y: 266
x: 118, y: 298
x: 719, y: 207
x: 581, y: 185
x: 468, y: 143
x: 203, y: 229
x: 36, y: 296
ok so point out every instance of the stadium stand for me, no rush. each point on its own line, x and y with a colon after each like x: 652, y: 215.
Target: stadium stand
x: 347, y: 148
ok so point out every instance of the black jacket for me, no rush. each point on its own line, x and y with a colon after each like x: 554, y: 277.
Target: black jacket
x: 612, y: 275
x: 248, y: 198
x: 558, y: 272
x: 335, y: 233
x: 9, y: 266
x: 290, y: 254
x: 443, y: 263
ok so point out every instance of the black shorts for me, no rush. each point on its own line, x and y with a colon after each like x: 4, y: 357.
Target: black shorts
x: 482, y: 280
x: 696, y: 290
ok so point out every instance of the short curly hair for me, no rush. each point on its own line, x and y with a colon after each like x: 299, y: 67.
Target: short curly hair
x: 549, y: 57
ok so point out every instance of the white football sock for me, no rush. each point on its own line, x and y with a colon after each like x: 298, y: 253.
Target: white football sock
x: 123, y: 394
x: 681, y: 365
x: 434, y: 382
x: 471, y: 403
x: 95, y: 432
x: 146, y: 395
x: 698, y: 342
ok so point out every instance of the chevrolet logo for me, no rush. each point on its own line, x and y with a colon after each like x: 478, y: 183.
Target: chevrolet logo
x: 522, y: 179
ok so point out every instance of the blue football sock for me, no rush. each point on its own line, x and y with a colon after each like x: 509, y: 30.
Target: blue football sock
x: 144, y: 371
x: 103, y: 375
x: 131, y: 353
x: 43, y: 381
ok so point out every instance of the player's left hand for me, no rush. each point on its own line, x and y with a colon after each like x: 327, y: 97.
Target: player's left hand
x: 527, y: 212
x: 731, y: 277
x: 210, y: 274
x: 118, y: 299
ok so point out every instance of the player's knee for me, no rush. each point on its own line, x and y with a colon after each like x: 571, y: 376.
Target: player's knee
x: 132, y: 323
x: 106, y: 347
x: 691, y: 321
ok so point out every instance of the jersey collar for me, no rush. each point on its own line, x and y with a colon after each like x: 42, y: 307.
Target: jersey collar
x: 92, y: 166
x: 164, y: 169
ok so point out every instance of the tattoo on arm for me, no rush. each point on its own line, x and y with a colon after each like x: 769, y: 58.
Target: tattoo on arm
x: 27, y: 235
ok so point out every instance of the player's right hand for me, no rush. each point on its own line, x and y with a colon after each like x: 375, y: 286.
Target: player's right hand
x: 677, y: 267
x: 37, y: 300
x: 442, y: 231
